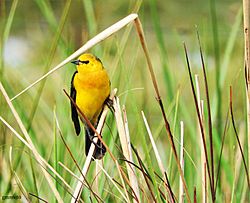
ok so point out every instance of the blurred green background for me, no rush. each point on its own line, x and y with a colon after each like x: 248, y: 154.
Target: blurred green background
x: 37, y: 35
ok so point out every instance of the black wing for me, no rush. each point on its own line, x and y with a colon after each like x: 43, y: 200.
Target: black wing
x: 74, y: 114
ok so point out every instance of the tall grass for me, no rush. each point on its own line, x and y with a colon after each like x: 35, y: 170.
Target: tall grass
x: 148, y: 160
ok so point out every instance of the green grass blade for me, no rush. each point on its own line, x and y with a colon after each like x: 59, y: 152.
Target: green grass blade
x: 6, y: 33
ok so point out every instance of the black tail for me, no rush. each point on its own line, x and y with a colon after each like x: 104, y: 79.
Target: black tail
x: 100, y: 149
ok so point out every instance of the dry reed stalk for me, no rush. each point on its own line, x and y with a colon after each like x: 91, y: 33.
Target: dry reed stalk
x: 96, y: 186
x: 181, y: 189
x: 157, y: 155
x: 123, y: 132
x: 203, y: 157
x: 247, y: 68
x: 203, y: 161
x: 33, y: 149
x: 131, y: 172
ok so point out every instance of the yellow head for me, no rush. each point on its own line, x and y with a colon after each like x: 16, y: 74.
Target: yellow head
x: 88, y: 63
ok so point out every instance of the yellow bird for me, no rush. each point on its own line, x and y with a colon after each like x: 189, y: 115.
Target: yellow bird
x: 90, y: 89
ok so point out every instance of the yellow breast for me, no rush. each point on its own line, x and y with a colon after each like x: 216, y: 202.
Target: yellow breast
x: 92, y: 89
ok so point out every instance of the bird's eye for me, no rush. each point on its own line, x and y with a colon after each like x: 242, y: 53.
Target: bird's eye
x: 84, y: 62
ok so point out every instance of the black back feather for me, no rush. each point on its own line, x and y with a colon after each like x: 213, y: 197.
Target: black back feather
x: 74, y: 114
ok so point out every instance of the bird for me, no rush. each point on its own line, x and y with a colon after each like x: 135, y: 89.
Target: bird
x: 90, y: 90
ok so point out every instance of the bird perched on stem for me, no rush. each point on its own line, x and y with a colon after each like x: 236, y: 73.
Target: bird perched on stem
x: 90, y: 89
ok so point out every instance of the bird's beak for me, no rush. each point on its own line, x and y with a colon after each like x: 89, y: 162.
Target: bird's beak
x: 76, y: 62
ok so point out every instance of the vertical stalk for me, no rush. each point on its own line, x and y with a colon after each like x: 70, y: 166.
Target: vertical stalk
x: 247, y: 66
x: 55, y: 152
x: 203, y: 156
x: 181, y: 190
